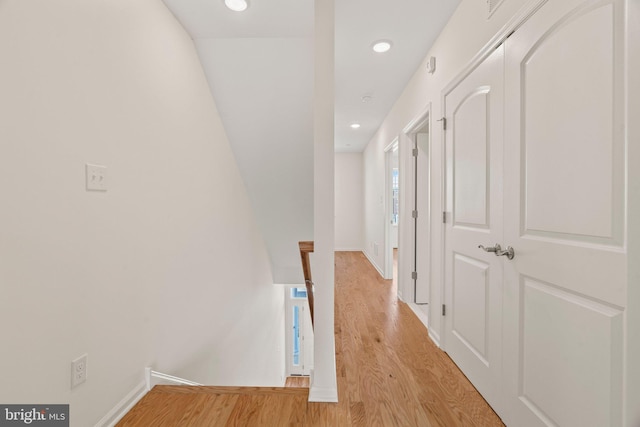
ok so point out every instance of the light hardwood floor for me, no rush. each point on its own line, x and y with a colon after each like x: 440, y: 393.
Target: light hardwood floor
x: 297, y: 382
x: 389, y: 374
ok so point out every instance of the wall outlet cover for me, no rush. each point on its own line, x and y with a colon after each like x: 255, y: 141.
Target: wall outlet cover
x: 96, y: 177
x: 79, y: 370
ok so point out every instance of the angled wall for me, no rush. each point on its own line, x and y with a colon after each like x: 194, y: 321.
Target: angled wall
x: 167, y: 268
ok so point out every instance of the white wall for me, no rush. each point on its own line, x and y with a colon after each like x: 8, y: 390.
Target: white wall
x: 165, y: 269
x: 349, y: 202
x: 466, y: 33
x: 374, y: 208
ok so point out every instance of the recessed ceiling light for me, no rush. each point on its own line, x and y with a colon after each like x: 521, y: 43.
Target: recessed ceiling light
x: 236, y: 5
x: 355, y: 125
x: 381, y: 46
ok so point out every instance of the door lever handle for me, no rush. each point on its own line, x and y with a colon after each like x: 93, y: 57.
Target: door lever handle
x: 495, y: 248
x: 509, y: 253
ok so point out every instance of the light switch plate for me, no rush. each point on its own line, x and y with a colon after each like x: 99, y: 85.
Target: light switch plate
x: 96, y: 177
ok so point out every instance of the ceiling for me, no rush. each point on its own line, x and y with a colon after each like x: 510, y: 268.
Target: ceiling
x: 259, y: 65
x: 411, y: 25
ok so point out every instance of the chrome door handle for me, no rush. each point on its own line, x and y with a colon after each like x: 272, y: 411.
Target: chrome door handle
x: 509, y: 253
x: 495, y: 248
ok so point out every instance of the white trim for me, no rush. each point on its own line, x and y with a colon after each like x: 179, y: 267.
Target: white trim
x: 151, y: 378
x: 424, y: 118
x: 124, y: 406
x: 391, y: 145
x: 419, y: 314
x: 422, y: 316
x: 378, y: 269
x: 154, y: 378
x: 434, y: 337
x: 418, y: 121
x: 322, y: 394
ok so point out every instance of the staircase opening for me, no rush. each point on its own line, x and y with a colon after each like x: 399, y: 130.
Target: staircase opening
x: 299, y: 332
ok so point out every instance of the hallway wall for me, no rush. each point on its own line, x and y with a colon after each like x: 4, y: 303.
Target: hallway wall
x: 348, y: 193
x: 465, y: 34
x: 165, y: 269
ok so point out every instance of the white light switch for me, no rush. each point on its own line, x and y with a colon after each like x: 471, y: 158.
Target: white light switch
x: 96, y: 177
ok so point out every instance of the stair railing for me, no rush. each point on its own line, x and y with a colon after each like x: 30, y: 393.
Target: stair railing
x: 305, y: 249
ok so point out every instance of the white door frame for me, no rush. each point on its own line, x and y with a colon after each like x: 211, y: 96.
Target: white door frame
x: 388, y: 207
x: 408, y: 188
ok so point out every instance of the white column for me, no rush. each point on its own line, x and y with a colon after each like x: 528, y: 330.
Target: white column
x: 324, y: 386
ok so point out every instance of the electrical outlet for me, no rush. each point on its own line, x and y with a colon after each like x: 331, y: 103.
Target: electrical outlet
x: 79, y: 370
x: 96, y: 177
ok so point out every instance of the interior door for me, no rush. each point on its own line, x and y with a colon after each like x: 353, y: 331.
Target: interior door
x: 473, y: 277
x: 564, y: 215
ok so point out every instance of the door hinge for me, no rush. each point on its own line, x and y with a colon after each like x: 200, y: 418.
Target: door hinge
x: 414, y: 275
x: 414, y: 152
x: 414, y: 214
x: 444, y: 310
x: 444, y: 217
x: 444, y: 123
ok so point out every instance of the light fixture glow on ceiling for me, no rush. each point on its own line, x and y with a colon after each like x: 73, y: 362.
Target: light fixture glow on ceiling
x: 381, y: 46
x: 236, y: 5
x: 355, y: 125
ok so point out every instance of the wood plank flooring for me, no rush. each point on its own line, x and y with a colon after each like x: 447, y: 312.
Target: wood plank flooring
x: 389, y: 374
x: 297, y: 382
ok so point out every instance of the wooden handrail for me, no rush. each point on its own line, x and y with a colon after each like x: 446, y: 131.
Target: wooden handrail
x: 305, y: 249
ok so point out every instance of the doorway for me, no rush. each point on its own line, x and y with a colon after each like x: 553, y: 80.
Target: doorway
x: 299, y: 333
x: 418, y: 198
x: 392, y: 210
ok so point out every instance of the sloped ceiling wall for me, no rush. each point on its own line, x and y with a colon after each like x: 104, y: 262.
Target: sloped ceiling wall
x: 259, y: 65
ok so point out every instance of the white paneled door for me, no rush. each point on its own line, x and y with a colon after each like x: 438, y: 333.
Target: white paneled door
x: 474, y: 278
x: 564, y: 215
x: 535, y: 160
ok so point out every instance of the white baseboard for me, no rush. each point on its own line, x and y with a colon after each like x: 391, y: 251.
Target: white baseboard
x: 373, y: 263
x: 124, y: 406
x: 323, y: 394
x: 348, y: 249
x: 419, y: 313
x: 425, y: 321
x: 435, y: 338
x: 153, y: 378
